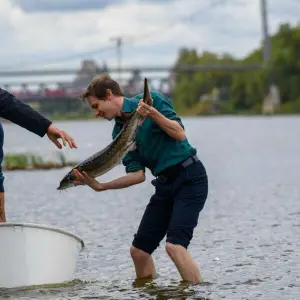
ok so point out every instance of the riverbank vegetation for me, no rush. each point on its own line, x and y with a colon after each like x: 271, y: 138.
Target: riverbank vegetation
x: 28, y: 161
x: 236, y: 92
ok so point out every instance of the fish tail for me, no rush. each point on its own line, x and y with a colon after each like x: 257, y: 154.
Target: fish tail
x: 147, y: 96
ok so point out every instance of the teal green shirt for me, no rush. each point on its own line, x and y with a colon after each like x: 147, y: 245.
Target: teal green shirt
x: 155, y: 150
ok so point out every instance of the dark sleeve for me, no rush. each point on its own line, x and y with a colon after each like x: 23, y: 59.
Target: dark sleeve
x: 18, y: 112
x: 132, y: 160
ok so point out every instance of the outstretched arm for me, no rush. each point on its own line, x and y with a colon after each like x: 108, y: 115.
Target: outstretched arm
x: 18, y: 112
x: 118, y: 183
x: 135, y: 174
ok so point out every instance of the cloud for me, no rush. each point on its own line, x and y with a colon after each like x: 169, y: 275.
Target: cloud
x: 59, y: 5
x: 46, y: 6
x: 64, y: 32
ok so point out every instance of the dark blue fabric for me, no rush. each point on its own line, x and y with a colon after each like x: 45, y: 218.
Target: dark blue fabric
x: 22, y: 114
x: 1, y: 158
x: 174, y: 209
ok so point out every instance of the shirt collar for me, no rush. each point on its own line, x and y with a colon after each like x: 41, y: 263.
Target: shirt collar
x: 127, y: 106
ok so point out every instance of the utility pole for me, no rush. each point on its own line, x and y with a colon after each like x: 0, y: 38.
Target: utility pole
x: 266, y: 37
x: 119, y: 42
x: 266, y: 41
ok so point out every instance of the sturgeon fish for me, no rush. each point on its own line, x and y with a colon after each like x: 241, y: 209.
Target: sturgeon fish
x: 106, y: 159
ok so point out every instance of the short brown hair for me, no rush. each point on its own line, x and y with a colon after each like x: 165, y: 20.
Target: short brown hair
x: 98, y: 86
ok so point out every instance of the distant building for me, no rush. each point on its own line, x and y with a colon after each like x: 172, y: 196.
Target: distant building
x: 87, y: 71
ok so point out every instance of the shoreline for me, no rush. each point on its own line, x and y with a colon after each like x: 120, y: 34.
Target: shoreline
x: 33, y: 162
x: 181, y: 113
x: 80, y: 118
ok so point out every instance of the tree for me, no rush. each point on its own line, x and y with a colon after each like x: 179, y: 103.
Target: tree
x: 247, y: 89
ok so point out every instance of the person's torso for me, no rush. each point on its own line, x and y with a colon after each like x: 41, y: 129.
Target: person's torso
x: 156, y: 148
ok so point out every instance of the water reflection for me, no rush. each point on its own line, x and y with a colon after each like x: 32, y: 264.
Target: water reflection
x: 173, y: 290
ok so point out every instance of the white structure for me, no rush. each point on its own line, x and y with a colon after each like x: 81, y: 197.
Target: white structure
x: 33, y: 254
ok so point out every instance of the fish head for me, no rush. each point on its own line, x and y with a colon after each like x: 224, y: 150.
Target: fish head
x: 67, y: 181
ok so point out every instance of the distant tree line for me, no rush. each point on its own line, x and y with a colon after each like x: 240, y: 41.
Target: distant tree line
x: 243, y: 91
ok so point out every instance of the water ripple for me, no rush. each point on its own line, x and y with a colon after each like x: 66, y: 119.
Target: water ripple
x: 247, y: 240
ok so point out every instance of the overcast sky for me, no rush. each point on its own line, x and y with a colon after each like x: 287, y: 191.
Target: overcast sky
x: 39, y: 33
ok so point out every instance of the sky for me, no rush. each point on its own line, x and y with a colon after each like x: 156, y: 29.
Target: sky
x: 40, y: 34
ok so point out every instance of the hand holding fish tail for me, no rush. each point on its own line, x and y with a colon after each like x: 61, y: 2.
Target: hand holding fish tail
x: 84, y: 179
x: 145, y: 110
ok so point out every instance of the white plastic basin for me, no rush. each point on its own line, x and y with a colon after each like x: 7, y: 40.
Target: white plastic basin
x: 34, y: 254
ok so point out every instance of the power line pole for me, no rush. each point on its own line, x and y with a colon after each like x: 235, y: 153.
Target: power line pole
x: 119, y: 42
x: 266, y: 47
x: 266, y: 42
x: 266, y: 36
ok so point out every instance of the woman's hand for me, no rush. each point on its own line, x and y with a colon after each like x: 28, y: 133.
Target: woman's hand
x: 84, y: 179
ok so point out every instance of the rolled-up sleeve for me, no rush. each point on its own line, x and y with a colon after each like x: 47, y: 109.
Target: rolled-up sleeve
x: 132, y: 162
x: 166, y: 108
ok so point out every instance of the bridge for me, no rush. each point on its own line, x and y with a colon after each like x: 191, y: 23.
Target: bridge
x: 37, y: 91
x: 33, y: 91
x: 174, y: 69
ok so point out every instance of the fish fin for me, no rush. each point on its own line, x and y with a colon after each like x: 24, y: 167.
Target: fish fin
x: 147, y: 96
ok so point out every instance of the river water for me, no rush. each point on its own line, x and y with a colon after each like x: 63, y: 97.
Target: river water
x: 248, y: 234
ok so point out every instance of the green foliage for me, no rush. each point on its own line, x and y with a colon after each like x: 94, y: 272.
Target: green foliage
x: 190, y: 86
x: 242, y: 91
x: 26, y: 161
x: 291, y: 107
x: 12, y: 161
